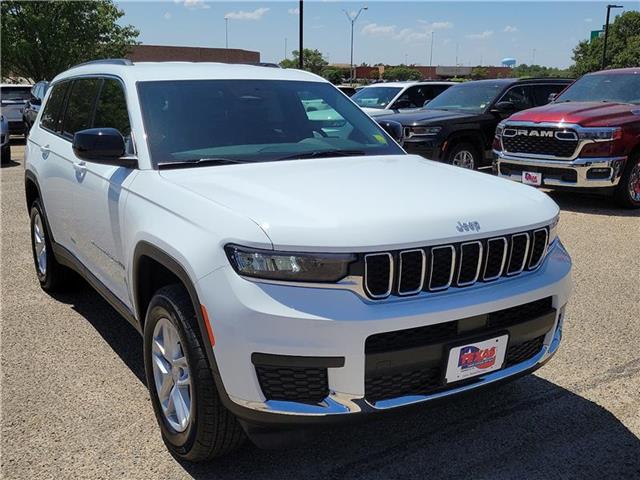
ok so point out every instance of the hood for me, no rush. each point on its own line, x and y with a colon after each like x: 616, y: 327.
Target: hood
x: 367, y: 203
x: 376, y: 112
x: 427, y: 116
x: 587, y: 114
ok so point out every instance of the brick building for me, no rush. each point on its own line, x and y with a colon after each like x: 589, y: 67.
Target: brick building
x: 437, y: 73
x: 164, y: 53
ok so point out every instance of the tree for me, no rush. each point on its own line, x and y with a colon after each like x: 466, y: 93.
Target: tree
x: 333, y: 74
x: 623, y: 46
x: 313, y: 61
x: 538, y: 71
x: 479, y: 72
x: 400, y: 73
x: 41, y: 39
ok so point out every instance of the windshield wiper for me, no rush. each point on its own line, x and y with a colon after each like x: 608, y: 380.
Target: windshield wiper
x: 324, y: 153
x: 196, y: 162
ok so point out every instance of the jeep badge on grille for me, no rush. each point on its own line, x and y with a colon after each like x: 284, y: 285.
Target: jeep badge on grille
x: 468, y: 226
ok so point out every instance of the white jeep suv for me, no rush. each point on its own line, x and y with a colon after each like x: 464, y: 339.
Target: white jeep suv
x: 283, y: 269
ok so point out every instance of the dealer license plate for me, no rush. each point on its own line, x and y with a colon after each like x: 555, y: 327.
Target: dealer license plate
x: 532, y: 178
x: 476, y: 358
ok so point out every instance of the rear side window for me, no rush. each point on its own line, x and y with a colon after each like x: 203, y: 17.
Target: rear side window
x: 542, y: 92
x: 111, y: 110
x: 79, y: 111
x: 53, y: 108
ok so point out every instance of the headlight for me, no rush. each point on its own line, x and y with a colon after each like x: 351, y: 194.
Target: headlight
x: 600, y: 134
x: 288, y: 266
x: 553, y: 229
x: 422, y: 131
x: 499, y: 129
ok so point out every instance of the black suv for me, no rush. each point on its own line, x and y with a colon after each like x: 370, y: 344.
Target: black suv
x: 458, y: 125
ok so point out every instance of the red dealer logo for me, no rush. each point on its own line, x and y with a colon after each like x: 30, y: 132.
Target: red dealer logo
x: 531, y: 177
x: 474, y: 357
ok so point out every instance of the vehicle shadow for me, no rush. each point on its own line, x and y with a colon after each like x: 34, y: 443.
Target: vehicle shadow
x: 531, y: 428
x: 9, y: 164
x: 121, y: 336
x: 590, y: 203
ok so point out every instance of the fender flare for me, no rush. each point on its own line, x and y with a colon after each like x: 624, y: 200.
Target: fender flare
x: 457, y: 135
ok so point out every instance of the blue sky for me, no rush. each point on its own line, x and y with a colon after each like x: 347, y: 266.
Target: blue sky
x: 388, y: 32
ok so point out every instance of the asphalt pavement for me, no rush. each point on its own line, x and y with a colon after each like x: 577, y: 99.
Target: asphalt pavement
x: 75, y: 404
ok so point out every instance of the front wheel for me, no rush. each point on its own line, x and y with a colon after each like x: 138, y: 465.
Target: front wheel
x: 627, y: 193
x: 195, y: 425
x: 464, y: 155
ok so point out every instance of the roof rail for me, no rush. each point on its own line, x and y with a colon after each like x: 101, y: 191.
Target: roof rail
x: 106, y: 61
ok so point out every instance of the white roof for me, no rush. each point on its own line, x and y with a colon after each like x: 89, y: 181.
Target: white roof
x: 145, y: 71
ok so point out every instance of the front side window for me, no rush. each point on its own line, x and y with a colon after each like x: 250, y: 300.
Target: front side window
x: 375, y: 97
x: 254, y: 120
x: 51, y: 115
x: 79, y: 112
x: 473, y: 97
x: 521, y: 96
x: 603, y: 87
x: 111, y: 110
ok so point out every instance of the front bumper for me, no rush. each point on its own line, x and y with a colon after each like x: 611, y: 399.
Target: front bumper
x: 248, y: 317
x: 428, y: 147
x: 579, y: 173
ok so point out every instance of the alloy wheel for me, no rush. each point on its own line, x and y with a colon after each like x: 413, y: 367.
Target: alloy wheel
x: 39, y: 244
x: 634, y: 183
x: 172, y: 375
x: 464, y: 159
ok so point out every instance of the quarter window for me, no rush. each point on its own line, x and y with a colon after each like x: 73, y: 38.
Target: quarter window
x: 79, y: 110
x: 51, y: 115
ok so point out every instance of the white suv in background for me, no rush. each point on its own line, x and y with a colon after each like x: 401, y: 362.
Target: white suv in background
x: 283, y: 269
x: 393, y: 97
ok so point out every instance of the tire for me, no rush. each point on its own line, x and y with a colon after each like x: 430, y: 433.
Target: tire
x: 52, y: 276
x: 627, y: 193
x: 5, y: 154
x: 464, y: 155
x: 208, y: 430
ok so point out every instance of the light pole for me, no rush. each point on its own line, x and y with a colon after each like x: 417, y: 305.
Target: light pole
x: 431, y: 53
x: 300, y: 27
x: 226, y: 32
x: 353, y: 19
x: 606, y: 35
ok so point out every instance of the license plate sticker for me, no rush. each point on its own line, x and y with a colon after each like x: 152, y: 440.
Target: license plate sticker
x: 532, y: 178
x: 476, y: 358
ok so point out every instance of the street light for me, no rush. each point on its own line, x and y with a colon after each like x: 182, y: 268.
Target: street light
x: 606, y: 34
x: 226, y: 32
x: 353, y: 19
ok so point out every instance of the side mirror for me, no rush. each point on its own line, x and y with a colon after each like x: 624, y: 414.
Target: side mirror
x: 394, y: 129
x: 35, y: 100
x: 504, y: 108
x: 102, y: 145
x: 552, y: 97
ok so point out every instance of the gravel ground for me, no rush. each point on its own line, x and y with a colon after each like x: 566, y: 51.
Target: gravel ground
x: 75, y: 405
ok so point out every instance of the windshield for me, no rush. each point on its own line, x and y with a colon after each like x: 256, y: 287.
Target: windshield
x: 254, y: 120
x: 375, y: 97
x: 15, y: 93
x: 467, y: 97
x: 615, y: 87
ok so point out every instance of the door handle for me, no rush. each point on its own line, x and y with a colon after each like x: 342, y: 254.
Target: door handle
x: 44, y: 149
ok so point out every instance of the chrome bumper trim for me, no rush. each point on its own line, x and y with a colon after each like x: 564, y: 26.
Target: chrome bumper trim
x: 579, y: 165
x: 340, y: 404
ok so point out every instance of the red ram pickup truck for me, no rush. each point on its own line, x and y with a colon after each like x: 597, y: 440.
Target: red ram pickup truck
x: 587, y: 139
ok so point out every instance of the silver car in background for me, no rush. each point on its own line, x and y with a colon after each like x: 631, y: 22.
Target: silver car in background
x: 14, y: 98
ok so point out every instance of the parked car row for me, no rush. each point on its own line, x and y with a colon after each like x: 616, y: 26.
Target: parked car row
x: 20, y: 105
x: 587, y: 138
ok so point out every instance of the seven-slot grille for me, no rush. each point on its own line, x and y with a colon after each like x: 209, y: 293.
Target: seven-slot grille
x: 559, y: 142
x: 432, y: 269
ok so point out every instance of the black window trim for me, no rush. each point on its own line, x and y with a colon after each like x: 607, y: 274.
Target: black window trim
x: 63, y: 110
